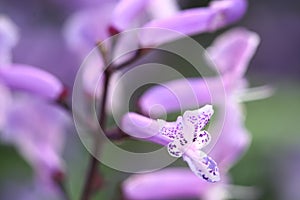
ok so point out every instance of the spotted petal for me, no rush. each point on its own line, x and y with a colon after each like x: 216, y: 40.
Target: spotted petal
x: 203, y: 166
x: 197, y: 120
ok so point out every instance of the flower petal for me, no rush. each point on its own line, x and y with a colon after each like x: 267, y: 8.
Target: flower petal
x: 84, y: 30
x: 232, y: 51
x: 202, y: 165
x: 143, y: 128
x: 164, y: 184
x: 126, y: 13
x: 193, y: 21
x: 182, y: 94
x: 31, y: 79
x: 197, y: 120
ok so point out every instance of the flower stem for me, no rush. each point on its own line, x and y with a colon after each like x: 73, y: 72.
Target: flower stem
x: 93, y: 179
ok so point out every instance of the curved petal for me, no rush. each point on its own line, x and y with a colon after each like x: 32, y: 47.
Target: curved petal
x: 229, y: 11
x: 31, y: 79
x: 232, y: 51
x: 164, y: 184
x: 143, y: 128
x: 202, y: 165
x: 182, y: 94
x: 192, y: 21
x: 187, y: 22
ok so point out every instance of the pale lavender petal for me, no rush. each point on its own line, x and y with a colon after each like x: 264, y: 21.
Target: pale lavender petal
x: 202, y: 165
x: 127, y: 13
x: 164, y: 184
x: 38, y: 130
x: 182, y: 94
x: 197, y: 119
x: 234, y: 138
x: 85, y: 29
x: 203, y: 138
x: 143, y: 128
x: 163, y: 9
x: 232, y: 51
x: 33, y: 80
x: 8, y: 39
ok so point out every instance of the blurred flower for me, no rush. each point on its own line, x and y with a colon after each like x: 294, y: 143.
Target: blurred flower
x: 32, y: 80
x: 24, y: 77
x: 37, y: 129
x: 184, y: 138
x: 176, y: 183
x: 231, y: 53
x: 171, y: 183
x: 27, y: 121
x: 85, y: 29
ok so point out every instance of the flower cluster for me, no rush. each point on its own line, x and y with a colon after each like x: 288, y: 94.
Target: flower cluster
x: 32, y: 117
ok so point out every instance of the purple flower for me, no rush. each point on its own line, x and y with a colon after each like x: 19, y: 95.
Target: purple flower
x: 37, y: 129
x: 184, y: 138
x: 172, y: 183
x: 131, y: 13
x: 231, y: 52
x: 32, y: 80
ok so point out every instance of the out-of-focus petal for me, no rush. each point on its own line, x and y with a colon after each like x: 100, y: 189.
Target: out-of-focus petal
x: 38, y: 129
x: 229, y: 11
x: 143, y: 128
x: 187, y: 22
x: 182, y: 94
x: 234, y: 139
x: 86, y: 28
x: 232, y: 51
x: 33, y: 80
x: 8, y: 39
x: 164, y: 184
x: 192, y: 21
x: 168, y: 184
x: 127, y: 13
x: 163, y: 9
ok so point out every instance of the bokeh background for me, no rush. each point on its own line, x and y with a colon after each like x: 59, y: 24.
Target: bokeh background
x: 272, y: 163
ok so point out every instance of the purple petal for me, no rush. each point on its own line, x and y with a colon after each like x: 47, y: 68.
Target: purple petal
x: 234, y: 139
x: 84, y: 30
x: 126, y: 13
x: 31, y: 79
x: 187, y: 22
x: 202, y: 165
x: 169, y: 8
x: 143, y: 128
x: 232, y: 51
x: 182, y: 94
x: 192, y: 21
x: 229, y: 11
x: 38, y: 130
x: 8, y: 39
x: 164, y: 184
